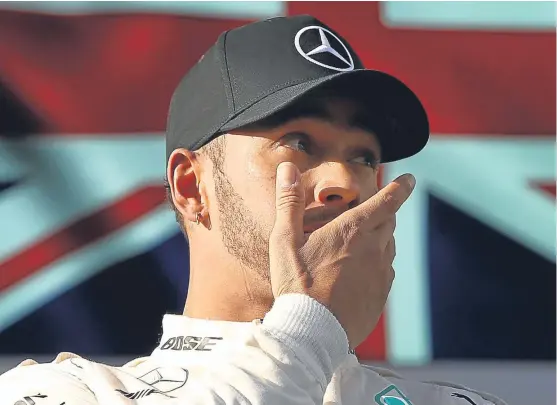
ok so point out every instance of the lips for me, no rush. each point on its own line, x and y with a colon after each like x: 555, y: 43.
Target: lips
x: 318, y: 218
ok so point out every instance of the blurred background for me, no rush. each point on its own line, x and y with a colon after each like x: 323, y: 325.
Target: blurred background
x: 91, y: 257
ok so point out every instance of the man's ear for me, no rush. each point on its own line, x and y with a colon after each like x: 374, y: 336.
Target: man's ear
x: 184, y: 174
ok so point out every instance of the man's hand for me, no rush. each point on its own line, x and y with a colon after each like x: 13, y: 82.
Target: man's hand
x: 345, y: 265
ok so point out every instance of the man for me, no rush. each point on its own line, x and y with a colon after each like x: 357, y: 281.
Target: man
x: 273, y: 144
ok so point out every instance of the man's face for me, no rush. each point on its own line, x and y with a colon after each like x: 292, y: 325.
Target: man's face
x: 337, y: 157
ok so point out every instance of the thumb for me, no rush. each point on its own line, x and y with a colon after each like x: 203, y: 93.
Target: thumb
x: 290, y: 206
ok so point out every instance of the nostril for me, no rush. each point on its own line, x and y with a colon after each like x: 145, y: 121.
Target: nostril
x: 334, y: 197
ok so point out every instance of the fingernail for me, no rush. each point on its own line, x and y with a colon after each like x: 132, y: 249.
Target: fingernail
x: 286, y: 174
x: 411, y: 181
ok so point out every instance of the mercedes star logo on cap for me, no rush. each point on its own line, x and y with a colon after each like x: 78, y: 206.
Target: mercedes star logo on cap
x: 346, y: 63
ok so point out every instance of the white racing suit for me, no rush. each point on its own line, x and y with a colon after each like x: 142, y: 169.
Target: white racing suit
x: 298, y: 355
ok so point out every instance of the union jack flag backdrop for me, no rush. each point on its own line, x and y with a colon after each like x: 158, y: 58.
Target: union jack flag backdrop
x: 90, y: 255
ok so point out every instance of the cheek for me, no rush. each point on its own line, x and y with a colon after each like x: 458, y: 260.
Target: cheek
x: 370, y: 185
x: 263, y: 165
x: 259, y: 177
x: 259, y: 169
x: 255, y: 182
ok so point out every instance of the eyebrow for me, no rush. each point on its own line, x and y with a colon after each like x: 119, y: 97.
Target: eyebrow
x: 367, y: 122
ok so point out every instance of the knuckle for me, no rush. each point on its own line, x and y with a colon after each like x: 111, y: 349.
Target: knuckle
x: 391, y: 275
x: 289, y: 200
x: 391, y: 202
x: 394, y: 248
x: 390, y: 257
x: 389, y: 224
x: 280, y: 236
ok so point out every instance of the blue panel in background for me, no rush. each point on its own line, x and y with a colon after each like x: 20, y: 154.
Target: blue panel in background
x: 118, y: 311
x: 490, y: 297
x: 471, y: 14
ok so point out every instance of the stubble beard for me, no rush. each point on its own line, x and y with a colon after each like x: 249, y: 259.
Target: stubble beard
x: 242, y: 234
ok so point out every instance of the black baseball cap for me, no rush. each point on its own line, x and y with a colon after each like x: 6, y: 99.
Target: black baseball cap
x: 254, y: 71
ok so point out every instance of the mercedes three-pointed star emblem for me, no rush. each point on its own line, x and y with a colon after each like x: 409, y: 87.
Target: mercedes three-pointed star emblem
x: 325, y: 47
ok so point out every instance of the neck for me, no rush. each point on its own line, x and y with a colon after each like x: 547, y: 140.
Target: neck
x: 221, y: 289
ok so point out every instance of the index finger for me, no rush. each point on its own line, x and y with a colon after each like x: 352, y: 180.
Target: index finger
x: 383, y: 205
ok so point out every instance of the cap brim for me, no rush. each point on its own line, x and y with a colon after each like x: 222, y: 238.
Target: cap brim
x: 407, y: 128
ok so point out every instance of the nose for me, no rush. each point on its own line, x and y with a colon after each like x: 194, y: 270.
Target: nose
x: 337, y: 186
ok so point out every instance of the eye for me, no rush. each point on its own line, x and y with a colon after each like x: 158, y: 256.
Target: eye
x: 297, y: 141
x: 367, y: 159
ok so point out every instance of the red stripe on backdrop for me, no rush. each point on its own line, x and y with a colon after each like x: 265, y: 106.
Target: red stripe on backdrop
x: 101, y: 73
x: 375, y: 346
x: 74, y: 76
x: 79, y: 234
x: 547, y: 187
x: 477, y: 82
